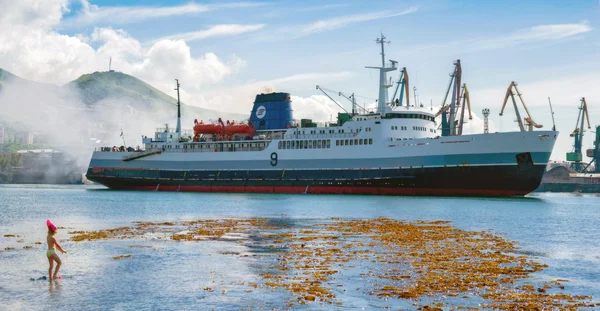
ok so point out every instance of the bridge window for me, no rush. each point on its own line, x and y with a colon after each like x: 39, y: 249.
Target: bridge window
x: 351, y: 142
x: 287, y: 145
x: 328, y: 144
x: 370, y: 141
x: 346, y: 142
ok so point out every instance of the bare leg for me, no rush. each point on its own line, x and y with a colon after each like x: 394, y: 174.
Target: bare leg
x: 51, y: 263
x: 58, y: 264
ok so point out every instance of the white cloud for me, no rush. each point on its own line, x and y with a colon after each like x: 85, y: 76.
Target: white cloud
x: 343, y: 21
x: 93, y: 14
x: 214, y: 31
x: 239, y: 99
x: 168, y: 59
x: 476, y: 125
x: 540, y: 33
x: 534, y: 35
x: 32, y: 49
x: 116, y: 42
x: 34, y: 13
x: 316, y: 107
x: 333, y: 23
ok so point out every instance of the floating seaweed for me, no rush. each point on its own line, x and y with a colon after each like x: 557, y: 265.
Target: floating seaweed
x: 432, y: 264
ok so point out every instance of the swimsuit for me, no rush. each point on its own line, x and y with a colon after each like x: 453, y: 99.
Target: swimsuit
x: 50, y: 252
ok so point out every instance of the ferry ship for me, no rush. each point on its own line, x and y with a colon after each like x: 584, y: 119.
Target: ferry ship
x: 396, y: 150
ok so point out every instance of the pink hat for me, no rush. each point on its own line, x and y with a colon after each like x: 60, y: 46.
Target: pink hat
x: 50, y: 225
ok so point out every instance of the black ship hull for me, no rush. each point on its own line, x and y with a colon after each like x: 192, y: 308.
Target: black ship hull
x: 497, y: 181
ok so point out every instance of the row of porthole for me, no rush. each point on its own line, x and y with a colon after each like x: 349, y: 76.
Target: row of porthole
x: 304, y: 144
x: 415, y: 128
x: 340, y: 131
x: 354, y: 142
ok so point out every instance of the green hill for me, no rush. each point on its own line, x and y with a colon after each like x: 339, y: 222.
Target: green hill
x: 6, y: 76
x: 116, y: 87
x: 98, y: 86
x: 95, y: 107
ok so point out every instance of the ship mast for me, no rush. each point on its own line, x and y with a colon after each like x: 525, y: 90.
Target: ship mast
x: 383, y: 93
x: 178, y: 109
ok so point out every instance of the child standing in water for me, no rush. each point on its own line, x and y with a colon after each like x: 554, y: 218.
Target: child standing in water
x: 51, y: 253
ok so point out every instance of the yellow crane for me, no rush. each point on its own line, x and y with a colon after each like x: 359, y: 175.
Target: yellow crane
x: 528, y: 119
x: 466, y: 98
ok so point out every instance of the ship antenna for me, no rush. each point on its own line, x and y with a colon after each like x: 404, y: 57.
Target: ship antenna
x: 178, y: 109
x: 383, y: 92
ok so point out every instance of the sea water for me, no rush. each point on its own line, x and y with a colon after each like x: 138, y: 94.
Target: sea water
x: 560, y: 230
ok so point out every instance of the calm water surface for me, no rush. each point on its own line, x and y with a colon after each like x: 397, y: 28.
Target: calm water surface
x: 560, y: 230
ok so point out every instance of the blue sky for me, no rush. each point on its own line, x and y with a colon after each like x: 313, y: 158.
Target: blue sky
x: 551, y: 48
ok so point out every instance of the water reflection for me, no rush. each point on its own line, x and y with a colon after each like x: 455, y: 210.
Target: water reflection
x: 173, y: 275
x: 55, y: 287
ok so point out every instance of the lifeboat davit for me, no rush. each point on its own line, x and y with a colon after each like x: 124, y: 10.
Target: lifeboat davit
x: 206, y: 128
x: 233, y: 128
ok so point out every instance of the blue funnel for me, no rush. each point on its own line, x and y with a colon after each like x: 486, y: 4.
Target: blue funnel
x: 272, y: 111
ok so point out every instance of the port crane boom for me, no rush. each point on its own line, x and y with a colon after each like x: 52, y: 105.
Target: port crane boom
x: 576, y: 156
x: 352, y: 99
x: 528, y: 119
x: 466, y: 99
x: 402, y: 84
x: 321, y: 89
x: 448, y: 124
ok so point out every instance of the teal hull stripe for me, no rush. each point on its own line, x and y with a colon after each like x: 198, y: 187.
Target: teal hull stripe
x: 539, y: 158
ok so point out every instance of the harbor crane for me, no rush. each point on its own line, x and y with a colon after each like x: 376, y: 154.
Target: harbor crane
x: 356, y: 108
x: 528, y: 120
x: 465, y: 99
x: 577, y: 134
x: 322, y: 90
x: 594, y: 154
x: 401, y: 84
x: 451, y: 126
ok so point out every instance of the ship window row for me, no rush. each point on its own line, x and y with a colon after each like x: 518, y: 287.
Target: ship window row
x: 354, y: 142
x: 303, y: 132
x: 402, y: 128
x: 419, y: 128
x: 339, y: 131
x: 202, y: 147
x: 226, y: 145
x: 304, y: 144
x: 409, y: 116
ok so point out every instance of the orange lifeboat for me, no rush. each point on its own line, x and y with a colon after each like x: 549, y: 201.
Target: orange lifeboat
x: 206, y: 128
x: 233, y: 128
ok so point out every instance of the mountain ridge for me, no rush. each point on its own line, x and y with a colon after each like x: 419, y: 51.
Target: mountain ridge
x: 106, y: 86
